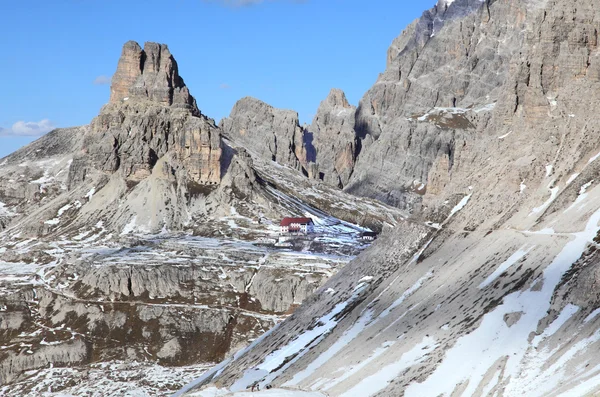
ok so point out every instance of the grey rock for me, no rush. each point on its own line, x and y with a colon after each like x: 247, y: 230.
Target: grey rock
x: 270, y: 133
x: 71, y: 353
x: 334, y: 139
x: 403, y: 121
x: 490, y: 105
x: 151, y: 73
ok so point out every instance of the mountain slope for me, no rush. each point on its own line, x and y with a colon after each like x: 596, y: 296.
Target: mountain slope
x: 146, y: 242
x: 490, y: 106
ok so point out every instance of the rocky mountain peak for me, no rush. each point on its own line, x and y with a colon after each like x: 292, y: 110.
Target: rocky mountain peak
x: 337, y: 98
x: 129, y: 69
x: 151, y: 119
x: 271, y: 133
x: 333, y: 138
x: 150, y: 73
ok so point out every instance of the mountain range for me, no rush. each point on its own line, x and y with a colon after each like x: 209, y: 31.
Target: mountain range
x: 474, y: 155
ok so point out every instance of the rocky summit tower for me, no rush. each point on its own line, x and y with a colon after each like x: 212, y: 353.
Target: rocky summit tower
x: 152, y: 117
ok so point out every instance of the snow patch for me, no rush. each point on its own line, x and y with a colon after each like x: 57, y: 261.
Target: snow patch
x: 553, y: 194
x: 505, y: 135
x: 572, y: 178
x: 64, y: 209
x: 348, y: 372
x: 596, y: 157
x: 4, y: 211
x: 91, y: 193
x: 418, y: 284
x: 339, y: 344
x: 562, y: 318
x: 280, y: 359
x: 484, y: 108
x: 469, y: 360
x: 514, y: 258
x: 130, y: 227
x: 462, y: 203
x: 61, y: 211
x: 581, y: 197
x: 522, y: 187
x: 375, y: 383
x: 592, y: 315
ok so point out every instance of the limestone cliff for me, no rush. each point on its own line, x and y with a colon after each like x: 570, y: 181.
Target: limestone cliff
x: 272, y: 134
x: 152, y: 74
x: 334, y: 139
x: 433, y: 92
x: 485, y: 126
x: 151, y: 115
x: 148, y: 239
x: 150, y: 147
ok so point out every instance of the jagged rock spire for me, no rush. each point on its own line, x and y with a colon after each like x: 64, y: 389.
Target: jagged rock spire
x: 337, y: 98
x: 334, y: 138
x: 152, y: 116
x: 152, y: 74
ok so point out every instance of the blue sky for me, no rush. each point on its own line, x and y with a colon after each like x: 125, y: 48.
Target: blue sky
x: 58, y: 56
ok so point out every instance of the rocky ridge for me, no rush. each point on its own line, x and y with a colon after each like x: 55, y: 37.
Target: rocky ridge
x: 271, y: 133
x: 149, y: 237
x: 152, y: 116
x: 477, y: 126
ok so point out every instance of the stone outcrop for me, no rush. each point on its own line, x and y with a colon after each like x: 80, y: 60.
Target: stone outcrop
x: 433, y: 93
x: 131, y: 137
x: 270, y: 133
x: 151, y: 115
x: 128, y: 71
x: 152, y: 74
x: 325, y: 150
x: 333, y: 139
x: 485, y: 125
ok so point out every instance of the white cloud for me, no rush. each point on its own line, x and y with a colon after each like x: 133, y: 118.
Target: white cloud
x: 102, y: 80
x: 28, y: 128
x: 224, y: 86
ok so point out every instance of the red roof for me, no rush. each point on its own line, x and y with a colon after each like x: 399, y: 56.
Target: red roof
x: 289, y: 221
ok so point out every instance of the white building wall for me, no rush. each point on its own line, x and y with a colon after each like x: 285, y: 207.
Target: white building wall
x: 304, y: 228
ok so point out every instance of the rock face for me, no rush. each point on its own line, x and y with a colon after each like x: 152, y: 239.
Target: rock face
x: 334, y: 139
x: 151, y: 115
x: 145, y: 237
x: 484, y: 125
x: 270, y: 133
x: 150, y: 147
x: 151, y: 74
x: 326, y: 150
x: 427, y: 97
x: 387, y: 147
x: 131, y: 137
